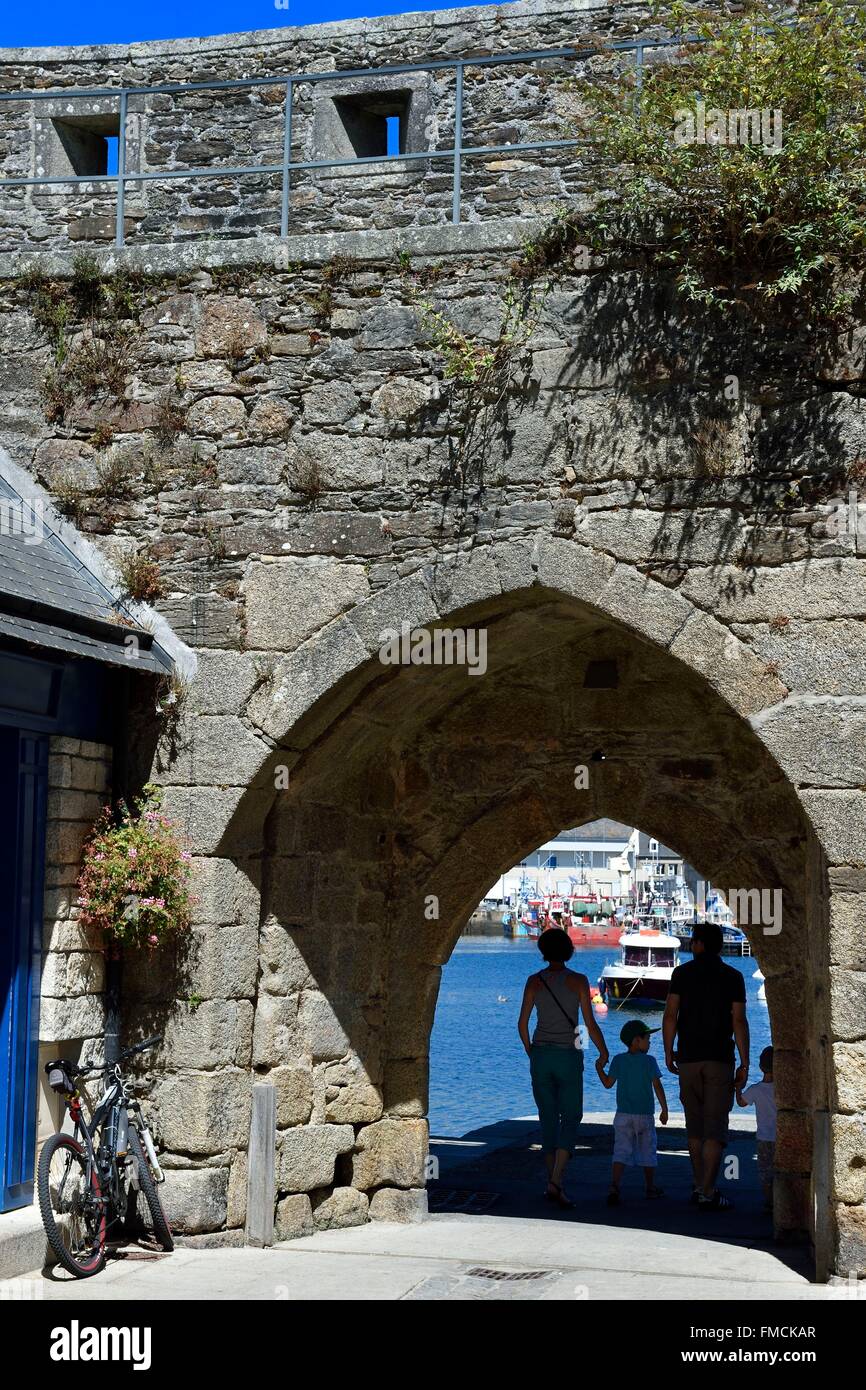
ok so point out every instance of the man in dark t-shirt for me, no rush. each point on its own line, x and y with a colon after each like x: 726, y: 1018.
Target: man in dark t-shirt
x: 705, y: 1012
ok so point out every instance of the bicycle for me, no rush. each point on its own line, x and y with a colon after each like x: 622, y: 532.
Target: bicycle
x: 89, y: 1180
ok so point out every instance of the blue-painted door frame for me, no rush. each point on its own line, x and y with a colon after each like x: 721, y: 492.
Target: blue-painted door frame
x: 23, y: 795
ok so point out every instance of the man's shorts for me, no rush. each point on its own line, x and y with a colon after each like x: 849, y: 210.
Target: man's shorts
x: 707, y: 1094
x: 634, y: 1140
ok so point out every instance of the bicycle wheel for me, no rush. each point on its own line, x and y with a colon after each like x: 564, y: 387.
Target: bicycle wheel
x: 147, y: 1185
x: 69, y: 1202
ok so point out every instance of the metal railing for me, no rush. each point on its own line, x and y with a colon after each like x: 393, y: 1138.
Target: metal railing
x: 458, y: 152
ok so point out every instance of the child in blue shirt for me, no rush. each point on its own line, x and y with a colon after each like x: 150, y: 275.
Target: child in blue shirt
x: 636, y: 1075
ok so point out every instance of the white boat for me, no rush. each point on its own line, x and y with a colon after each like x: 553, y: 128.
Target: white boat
x: 681, y: 917
x: 654, y: 917
x: 642, y: 975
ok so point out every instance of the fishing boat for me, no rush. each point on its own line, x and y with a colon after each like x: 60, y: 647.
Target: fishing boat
x: 488, y: 920
x: 734, y: 939
x: 642, y: 975
x: 654, y: 917
x: 591, y: 921
x: 680, y: 919
x: 588, y: 919
x: 526, y: 920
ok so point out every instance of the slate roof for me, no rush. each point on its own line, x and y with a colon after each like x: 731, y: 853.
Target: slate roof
x: 603, y: 829
x: 663, y: 852
x: 49, y: 598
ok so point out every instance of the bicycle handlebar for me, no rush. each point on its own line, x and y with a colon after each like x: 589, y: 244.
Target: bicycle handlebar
x: 86, y: 1069
x: 142, y: 1046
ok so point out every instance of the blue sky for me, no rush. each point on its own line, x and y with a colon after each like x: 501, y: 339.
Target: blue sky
x: 106, y: 21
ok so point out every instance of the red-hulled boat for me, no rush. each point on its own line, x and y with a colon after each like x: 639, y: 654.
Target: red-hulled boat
x: 587, y: 922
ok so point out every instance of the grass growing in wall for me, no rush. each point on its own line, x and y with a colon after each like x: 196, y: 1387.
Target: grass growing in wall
x: 481, y: 375
x: 169, y: 420
x: 141, y: 577
x: 306, y: 478
x: 766, y: 219
x: 90, y: 323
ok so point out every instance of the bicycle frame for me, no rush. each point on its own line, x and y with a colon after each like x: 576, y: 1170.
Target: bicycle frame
x: 99, y: 1138
x: 87, y: 1134
x: 107, y: 1162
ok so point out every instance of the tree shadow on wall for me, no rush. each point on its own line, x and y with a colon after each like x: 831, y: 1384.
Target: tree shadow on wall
x: 740, y: 437
x: 757, y: 423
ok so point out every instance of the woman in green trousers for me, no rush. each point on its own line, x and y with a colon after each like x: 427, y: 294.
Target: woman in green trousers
x: 559, y: 996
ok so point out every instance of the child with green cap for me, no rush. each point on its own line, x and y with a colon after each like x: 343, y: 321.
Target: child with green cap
x: 636, y: 1075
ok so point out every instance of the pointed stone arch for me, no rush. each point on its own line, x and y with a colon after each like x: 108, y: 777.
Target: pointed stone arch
x: 407, y: 783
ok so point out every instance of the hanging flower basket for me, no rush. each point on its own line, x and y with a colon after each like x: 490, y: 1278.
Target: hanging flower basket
x: 134, y: 883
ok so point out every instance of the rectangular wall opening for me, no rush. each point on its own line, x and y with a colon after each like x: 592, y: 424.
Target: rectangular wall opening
x: 375, y: 122
x: 87, y: 144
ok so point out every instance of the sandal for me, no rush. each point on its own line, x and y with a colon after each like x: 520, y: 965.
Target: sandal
x: 555, y: 1193
x: 613, y: 1197
x: 715, y: 1203
x: 655, y: 1192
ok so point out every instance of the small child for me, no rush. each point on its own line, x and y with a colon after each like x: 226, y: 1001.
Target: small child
x: 636, y: 1075
x: 763, y: 1096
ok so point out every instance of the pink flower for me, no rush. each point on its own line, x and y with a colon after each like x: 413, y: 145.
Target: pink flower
x: 153, y: 940
x: 185, y: 856
x: 132, y: 852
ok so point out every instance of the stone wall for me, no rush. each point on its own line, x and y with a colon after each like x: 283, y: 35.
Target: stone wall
x: 71, y: 1016
x: 200, y: 1103
x: 298, y: 465
x: 244, y: 127
x: 284, y: 589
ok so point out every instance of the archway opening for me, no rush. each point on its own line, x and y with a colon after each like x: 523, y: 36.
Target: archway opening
x: 413, y: 787
x: 627, y: 902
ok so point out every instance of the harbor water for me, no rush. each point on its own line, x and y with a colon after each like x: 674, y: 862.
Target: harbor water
x: 479, y: 1073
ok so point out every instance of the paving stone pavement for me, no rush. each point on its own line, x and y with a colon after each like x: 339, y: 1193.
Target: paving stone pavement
x: 497, y: 1170
x: 443, y: 1259
x: 516, y: 1248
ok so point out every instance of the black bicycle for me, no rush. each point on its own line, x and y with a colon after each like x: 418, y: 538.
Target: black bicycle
x: 90, y: 1181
